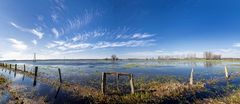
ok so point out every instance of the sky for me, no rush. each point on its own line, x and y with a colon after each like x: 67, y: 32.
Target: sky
x: 87, y: 29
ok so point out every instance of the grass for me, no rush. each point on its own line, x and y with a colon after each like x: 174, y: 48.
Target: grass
x: 2, y: 80
x: 152, y: 92
x: 128, y: 66
x: 233, y: 98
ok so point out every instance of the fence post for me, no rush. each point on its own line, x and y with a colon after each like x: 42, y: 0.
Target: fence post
x: 118, y: 82
x: 60, y: 76
x: 103, y: 84
x: 191, y: 77
x: 24, y: 68
x: 226, y: 72
x: 15, y: 67
x: 131, y: 84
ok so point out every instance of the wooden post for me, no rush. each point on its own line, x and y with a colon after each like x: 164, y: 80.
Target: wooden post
x: 103, y: 84
x: 15, y: 67
x: 24, y: 68
x: 10, y: 66
x: 60, y: 76
x: 118, y: 82
x: 35, y: 76
x: 191, y: 78
x: 131, y: 84
x: 226, y: 72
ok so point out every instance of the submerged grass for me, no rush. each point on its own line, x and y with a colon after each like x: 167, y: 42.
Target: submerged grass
x: 233, y: 98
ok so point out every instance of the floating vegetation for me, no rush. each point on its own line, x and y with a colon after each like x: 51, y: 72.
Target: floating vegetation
x: 128, y: 66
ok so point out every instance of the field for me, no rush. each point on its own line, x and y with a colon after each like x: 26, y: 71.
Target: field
x: 155, y: 81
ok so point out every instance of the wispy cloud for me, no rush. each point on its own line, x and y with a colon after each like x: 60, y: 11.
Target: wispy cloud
x: 59, y: 4
x: 141, y: 36
x: 54, y: 17
x: 36, y: 31
x: 34, y: 42
x: 63, y: 45
x: 55, y: 32
x: 81, y: 20
x: 131, y: 43
x: 236, y: 45
x: 40, y: 17
x: 89, y: 35
x: 18, y: 45
x: 57, y: 8
x: 134, y: 36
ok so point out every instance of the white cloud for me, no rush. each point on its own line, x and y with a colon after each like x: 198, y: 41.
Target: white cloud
x: 88, y: 35
x: 131, y: 43
x: 134, y: 36
x: 34, y: 42
x: 54, y: 17
x: 141, y: 36
x: 18, y: 45
x: 51, y: 45
x: 55, y: 32
x: 79, y: 21
x: 236, y: 45
x: 64, y: 45
x: 59, y: 5
x: 36, y: 32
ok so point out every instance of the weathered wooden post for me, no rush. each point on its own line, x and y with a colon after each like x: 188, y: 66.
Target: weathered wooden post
x: 103, y: 84
x: 15, y: 67
x: 35, y: 76
x: 10, y: 66
x: 191, y: 77
x: 131, y: 84
x: 118, y: 82
x: 226, y: 72
x: 24, y: 68
x: 60, y: 76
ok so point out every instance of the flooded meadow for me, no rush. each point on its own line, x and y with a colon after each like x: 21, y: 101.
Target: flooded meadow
x: 155, y: 81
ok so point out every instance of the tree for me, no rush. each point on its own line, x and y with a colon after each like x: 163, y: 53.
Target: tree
x: 114, y: 57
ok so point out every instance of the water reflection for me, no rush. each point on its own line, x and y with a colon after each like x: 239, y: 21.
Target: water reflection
x: 15, y: 74
x: 23, y: 77
x: 58, y: 90
x: 35, y: 81
x: 209, y: 64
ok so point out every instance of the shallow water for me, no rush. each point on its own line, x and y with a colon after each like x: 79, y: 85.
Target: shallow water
x: 88, y: 73
x: 25, y: 84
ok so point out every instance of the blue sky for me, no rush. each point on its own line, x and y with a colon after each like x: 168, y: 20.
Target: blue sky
x: 127, y: 28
